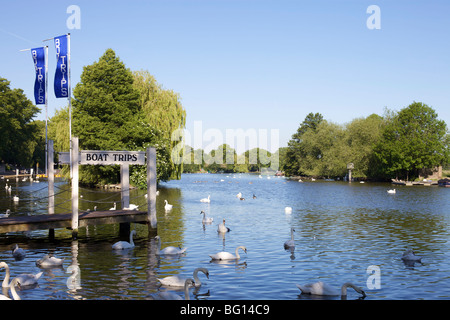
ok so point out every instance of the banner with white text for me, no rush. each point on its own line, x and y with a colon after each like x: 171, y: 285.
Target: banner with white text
x: 62, y: 70
x: 38, y: 55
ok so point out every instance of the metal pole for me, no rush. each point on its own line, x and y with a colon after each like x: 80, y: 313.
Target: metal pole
x: 51, y: 180
x: 74, y: 165
x: 46, y: 111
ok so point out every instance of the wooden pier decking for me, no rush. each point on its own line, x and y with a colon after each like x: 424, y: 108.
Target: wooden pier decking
x: 55, y: 221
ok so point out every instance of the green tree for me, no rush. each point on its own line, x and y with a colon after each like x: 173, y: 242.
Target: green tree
x: 413, y: 139
x: 19, y: 134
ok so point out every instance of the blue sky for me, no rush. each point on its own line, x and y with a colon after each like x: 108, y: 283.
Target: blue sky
x: 250, y: 64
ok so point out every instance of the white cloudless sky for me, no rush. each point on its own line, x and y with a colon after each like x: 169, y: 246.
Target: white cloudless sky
x: 251, y: 66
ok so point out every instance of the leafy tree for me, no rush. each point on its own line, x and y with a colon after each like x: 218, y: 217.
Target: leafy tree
x: 19, y: 134
x: 414, y: 139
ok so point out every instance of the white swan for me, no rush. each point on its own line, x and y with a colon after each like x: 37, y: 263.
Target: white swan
x: 120, y: 245
x: 6, y: 214
x: 228, y: 256
x: 222, y: 229
x: 409, y: 256
x: 25, y: 279
x: 16, y: 199
x: 206, y: 219
x: 288, y: 210
x: 49, y: 261
x: 239, y: 195
x: 206, y: 200
x: 113, y: 208
x: 15, y: 282
x: 323, y: 289
x: 289, y: 244
x: 168, y: 206
x: 168, y: 295
x: 18, y: 253
x: 178, y: 281
x: 131, y: 207
x: 168, y: 250
x: 391, y: 191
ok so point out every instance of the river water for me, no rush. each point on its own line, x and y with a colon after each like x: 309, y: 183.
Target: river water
x: 343, y: 233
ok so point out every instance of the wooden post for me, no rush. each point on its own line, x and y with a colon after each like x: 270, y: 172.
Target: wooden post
x: 151, y: 188
x: 51, y: 185
x: 75, y: 156
x: 125, y: 185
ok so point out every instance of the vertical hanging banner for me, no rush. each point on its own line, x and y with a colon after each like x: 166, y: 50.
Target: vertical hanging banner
x: 62, y: 70
x: 38, y: 55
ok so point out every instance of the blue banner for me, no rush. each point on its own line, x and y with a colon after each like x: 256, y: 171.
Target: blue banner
x: 38, y: 55
x: 62, y: 69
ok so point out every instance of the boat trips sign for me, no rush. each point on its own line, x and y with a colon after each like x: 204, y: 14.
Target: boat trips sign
x: 96, y: 157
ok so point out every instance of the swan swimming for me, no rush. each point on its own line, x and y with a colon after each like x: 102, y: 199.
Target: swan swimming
x: 113, y: 208
x: 391, y: 191
x: 206, y: 200
x: 409, y: 256
x: 18, y: 253
x: 169, y: 249
x: 168, y: 295
x: 168, y: 206
x: 6, y: 214
x: 222, y: 229
x: 228, y: 256
x: 120, y: 245
x: 16, y: 199
x: 178, y: 281
x: 49, y: 261
x: 131, y: 207
x: 206, y: 219
x: 289, y: 244
x: 25, y: 279
x: 288, y: 210
x: 323, y: 289
x: 15, y: 282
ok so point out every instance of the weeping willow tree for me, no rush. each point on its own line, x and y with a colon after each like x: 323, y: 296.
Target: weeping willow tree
x: 162, y: 109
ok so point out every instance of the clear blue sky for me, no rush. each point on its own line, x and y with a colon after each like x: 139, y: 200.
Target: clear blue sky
x: 250, y: 64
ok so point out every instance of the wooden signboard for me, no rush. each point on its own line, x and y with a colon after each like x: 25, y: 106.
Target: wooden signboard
x: 96, y: 157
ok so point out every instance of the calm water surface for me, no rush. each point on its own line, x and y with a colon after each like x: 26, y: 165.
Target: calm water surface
x: 341, y: 230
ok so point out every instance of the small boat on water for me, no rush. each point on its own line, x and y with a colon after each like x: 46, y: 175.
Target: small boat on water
x: 444, y: 183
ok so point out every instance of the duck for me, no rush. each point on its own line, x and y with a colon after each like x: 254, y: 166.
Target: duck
x: 131, y: 207
x: 228, y: 256
x: 222, y: 229
x: 322, y: 289
x: 288, y: 210
x: 15, y: 282
x: 25, y: 279
x: 168, y: 295
x: 6, y: 214
x: 206, y: 220
x: 170, y: 250
x: 49, y: 261
x: 113, y: 208
x: 18, y: 253
x: 179, y: 281
x: 206, y: 200
x: 391, y: 191
x: 289, y: 244
x: 409, y: 256
x: 167, y: 206
x: 121, y: 245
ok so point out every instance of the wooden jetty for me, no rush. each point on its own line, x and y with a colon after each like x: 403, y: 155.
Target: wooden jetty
x: 64, y: 220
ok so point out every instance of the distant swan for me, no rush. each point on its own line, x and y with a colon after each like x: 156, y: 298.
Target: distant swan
x: 392, y: 191
x: 168, y: 295
x: 168, y: 206
x: 206, y: 200
x: 168, y: 250
x: 113, y: 208
x: 239, y: 195
x: 288, y: 210
x: 16, y: 199
x: 49, y: 261
x: 131, y: 207
x: 178, y: 281
x: 25, y: 279
x: 323, y: 289
x: 14, y: 283
x: 289, y: 244
x: 222, y: 229
x: 409, y: 255
x: 206, y: 219
x: 18, y: 253
x: 6, y: 214
x: 228, y: 256
x: 120, y: 245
